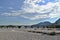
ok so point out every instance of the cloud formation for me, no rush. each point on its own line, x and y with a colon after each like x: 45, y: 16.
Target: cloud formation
x: 49, y: 10
x: 10, y: 8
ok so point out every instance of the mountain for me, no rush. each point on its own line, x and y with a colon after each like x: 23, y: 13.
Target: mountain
x: 57, y: 22
x: 47, y: 24
x: 42, y: 24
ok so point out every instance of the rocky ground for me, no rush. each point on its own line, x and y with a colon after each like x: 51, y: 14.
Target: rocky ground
x: 19, y: 34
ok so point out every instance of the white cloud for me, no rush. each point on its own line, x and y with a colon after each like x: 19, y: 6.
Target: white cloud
x: 50, y: 10
x: 36, y: 17
x: 6, y: 14
x: 37, y: 8
x: 10, y: 8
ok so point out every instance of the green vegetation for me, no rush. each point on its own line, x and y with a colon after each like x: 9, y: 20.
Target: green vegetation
x: 57, y: 26
x: 9, y: 26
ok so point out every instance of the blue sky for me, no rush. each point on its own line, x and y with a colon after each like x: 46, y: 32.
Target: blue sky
x: 28, y: 12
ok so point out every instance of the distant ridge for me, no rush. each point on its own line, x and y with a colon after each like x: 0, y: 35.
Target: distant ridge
x: 41, y: 24
x: 46, y: 23
x: 57, y: 22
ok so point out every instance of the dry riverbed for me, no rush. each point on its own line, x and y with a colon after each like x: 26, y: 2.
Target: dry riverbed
x: 19, y: 34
